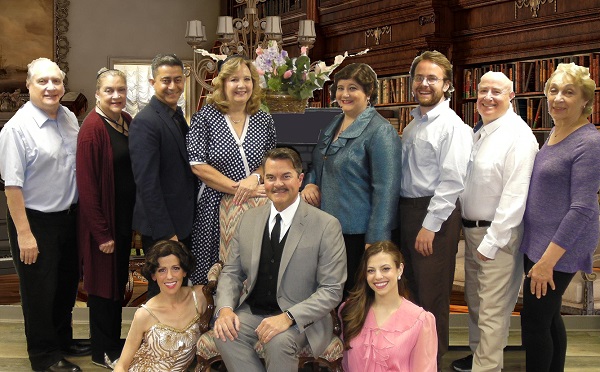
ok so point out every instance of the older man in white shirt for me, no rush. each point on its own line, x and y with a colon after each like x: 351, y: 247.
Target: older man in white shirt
x: 493, y: 204
x: 38, y: 147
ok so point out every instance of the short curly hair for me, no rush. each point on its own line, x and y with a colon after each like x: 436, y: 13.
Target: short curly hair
x: 579, y: 76
x: 363, y: 74
x: 164, y: 248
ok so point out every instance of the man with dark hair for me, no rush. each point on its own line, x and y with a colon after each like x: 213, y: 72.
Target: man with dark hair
x: 38, y: 167
x: 435, y: 153
x: 285, y: 272
x: 164, y: 206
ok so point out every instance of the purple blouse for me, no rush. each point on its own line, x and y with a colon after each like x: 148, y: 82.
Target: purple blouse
x: 562, y: 206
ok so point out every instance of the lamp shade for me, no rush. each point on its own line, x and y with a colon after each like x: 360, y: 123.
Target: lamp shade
x: 273, y: 25
x: 306, y: 28
x: 195, y: 29
x: 225, y: 26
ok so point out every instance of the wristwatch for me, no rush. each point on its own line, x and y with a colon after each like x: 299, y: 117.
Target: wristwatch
x: 290, y: 316
x: 257, y: 177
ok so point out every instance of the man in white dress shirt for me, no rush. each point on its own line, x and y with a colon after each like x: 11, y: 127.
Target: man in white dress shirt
x: 493, y: 204
x: 38, y: 167
x: 435, y: 152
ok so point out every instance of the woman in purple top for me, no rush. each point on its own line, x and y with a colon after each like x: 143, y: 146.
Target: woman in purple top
x: 561, y: 217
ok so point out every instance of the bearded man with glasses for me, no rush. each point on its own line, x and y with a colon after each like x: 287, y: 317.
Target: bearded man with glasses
x: 435, y: 147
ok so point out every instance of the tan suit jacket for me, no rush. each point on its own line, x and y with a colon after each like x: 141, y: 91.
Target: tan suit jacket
x: 311, y: 274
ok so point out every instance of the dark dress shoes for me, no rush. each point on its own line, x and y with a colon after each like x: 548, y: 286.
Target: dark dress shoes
x: 63, y: 365
x: 80, y: 348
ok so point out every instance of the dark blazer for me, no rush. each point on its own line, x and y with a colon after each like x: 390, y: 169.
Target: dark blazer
x: 164, y: 204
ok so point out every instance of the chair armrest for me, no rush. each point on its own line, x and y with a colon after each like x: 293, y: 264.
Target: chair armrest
x: 337, y: 326
x: 215, y: 271
x: 208, y: 292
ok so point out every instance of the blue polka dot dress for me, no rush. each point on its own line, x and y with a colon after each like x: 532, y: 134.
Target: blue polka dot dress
x: 212, y: 140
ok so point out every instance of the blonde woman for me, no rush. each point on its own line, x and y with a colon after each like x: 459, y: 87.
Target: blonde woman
x: 226, y: 143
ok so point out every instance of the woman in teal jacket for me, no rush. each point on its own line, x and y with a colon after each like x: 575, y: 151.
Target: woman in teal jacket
x: 356, y: 166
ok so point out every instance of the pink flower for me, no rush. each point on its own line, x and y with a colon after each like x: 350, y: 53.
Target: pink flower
x: 287, y: 74
x: 259, y: 51
x: 260, y: 71
x: 303, y: 50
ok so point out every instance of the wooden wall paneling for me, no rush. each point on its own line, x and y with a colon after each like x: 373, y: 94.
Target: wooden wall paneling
x: 490, y: 32
x: 415, y: 26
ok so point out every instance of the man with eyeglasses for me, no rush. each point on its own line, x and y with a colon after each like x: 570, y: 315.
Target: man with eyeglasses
x: 493, y: 204
x: 164, y: 205
x: 435, y: 147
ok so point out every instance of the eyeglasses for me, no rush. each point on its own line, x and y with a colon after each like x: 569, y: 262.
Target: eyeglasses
x: 483, y: 92
x: 431, y: 79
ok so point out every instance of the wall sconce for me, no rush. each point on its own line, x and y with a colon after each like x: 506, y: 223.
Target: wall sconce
x: 306, y: 33
x: 377, y: 33
x: 534, y: 5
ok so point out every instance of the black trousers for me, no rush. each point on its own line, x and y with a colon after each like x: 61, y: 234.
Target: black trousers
x: 48, y: 287
x: 355, y: 247
x: 105, y: 313
x: 147, y: 243
x: 430, y: 278
x: 543, y: 331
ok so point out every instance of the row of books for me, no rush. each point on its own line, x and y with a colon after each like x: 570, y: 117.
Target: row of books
x: 529, y: 76
x: 271, y: 8
x: 596, y: 110
x: 533, y: 110
x: 402, y: 119
x: 395, y: 89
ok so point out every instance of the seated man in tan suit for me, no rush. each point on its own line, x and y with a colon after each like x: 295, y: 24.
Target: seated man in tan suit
x: 285, y: 272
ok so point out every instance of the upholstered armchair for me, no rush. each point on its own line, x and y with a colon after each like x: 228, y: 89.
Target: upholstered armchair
x: 207, y: 352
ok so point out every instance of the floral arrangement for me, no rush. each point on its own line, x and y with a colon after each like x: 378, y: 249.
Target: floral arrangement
x: 293, y: 76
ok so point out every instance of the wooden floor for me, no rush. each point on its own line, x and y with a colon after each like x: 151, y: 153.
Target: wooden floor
x: 583, y: 352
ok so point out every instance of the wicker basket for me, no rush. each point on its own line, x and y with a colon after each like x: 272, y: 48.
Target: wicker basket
x: 285, y: 103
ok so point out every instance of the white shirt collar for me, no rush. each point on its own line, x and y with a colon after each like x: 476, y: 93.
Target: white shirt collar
x: 287, y: 215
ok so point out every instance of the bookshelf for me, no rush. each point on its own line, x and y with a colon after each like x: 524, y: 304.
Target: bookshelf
x: 268, y: 8
x: 395, y: 100
x: 529, y: 77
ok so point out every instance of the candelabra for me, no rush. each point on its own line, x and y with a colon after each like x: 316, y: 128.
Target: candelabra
x: 241, y: 36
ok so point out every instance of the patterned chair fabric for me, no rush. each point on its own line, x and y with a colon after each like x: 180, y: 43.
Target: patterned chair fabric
x: 229, y: 216
x: 207, y: 353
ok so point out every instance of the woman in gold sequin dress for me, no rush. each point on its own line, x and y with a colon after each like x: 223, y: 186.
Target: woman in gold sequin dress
x: 165, y: 330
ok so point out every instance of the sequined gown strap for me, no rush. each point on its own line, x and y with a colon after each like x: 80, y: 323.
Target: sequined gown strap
x: 165, y: 348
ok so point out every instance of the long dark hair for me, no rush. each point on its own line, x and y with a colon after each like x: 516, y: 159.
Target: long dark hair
x: 362, y: 296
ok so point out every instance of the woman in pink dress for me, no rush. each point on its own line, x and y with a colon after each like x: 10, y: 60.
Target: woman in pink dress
x: 382, y: 329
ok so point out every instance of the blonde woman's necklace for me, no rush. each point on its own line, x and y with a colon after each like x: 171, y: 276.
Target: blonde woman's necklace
x: 236, y: 121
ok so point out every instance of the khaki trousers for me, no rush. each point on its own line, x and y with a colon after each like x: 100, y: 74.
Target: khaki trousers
x: 491, y: 291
